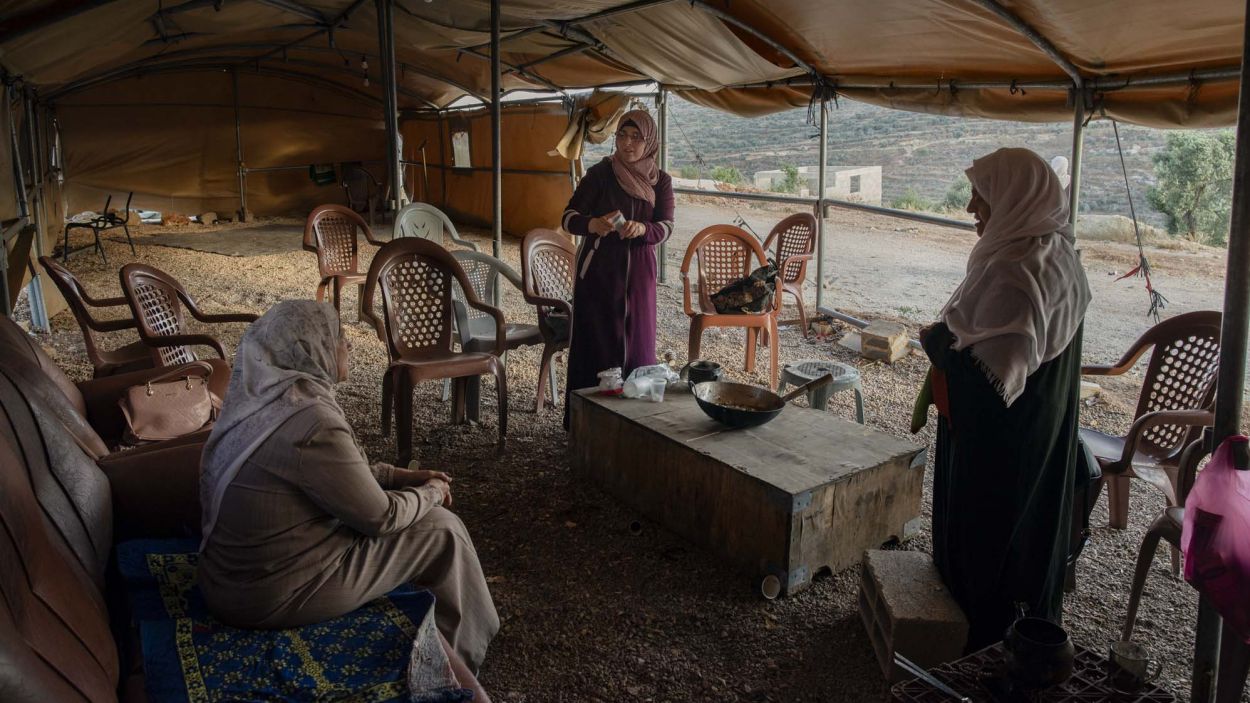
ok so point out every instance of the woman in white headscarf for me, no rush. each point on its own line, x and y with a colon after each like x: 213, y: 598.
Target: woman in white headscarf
x: 298, y: 527
x: 1006, y: 373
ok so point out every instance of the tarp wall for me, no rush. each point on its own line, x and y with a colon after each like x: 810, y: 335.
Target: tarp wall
x: 171, y: 139
x: 529, y: 199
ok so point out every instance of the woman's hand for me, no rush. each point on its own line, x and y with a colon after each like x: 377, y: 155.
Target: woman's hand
x: 633, y: 229
x: 443, y: 485
x: 404, y: 478
x: 603, y: 224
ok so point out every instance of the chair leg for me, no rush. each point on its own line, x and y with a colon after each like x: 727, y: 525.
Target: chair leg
x: 321, y: 290
x: 544, y: 375
x: 696, y: 338
x: 99, y: 246
x: 126, y: 229
x: 752, y: 341
x: 798, y: 299
x: 446, y: 389
x: 388, y: 401
x: 458, y: 402
x: 360, y: 302
x: 555, y: 390
x: 501, y: 390
x: 403, y: 418
x: 1145, y: 557
x: 774, y: 352
x: 1117, y: 500
x: 338, y: 294
x: 65, y: 247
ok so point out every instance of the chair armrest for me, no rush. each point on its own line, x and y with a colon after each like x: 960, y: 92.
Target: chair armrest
x: 462, y: 242
x: 781, y: 267
x: 111, y: 325
x: 1125, y: 363
x: 685, y: 294
x: 370, y: 238
x: 501, y: 344
x: 180, y: 340
x: 1102, y: 370
x: 156, y: 488
x: 119, y: 301
x: 1192, y: 418
x: 561, y: 305
x: 225, y: 317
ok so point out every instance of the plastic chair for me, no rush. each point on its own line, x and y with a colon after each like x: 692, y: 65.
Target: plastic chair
x: 330, y: 233
x: 428, y: 222
x: 1165, y: 527
x: 726, y: 253
x: 156, y: 301
x: 102, y: 223
x: 1176, y: 402
x: 131, y: 357
x: 416, y: 277
x: 795, y: 237
x: 362, y: 190
x: 547, y: 263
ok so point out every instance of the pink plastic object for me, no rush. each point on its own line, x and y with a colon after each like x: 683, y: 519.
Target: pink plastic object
x: 1216, y: 536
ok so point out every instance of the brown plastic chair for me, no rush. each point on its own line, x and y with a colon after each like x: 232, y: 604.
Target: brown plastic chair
x: 330, y: 233
x: 795, y: 237
x: 416, y: 278
x: 726, y: 253
x: 1176, y: 402
x: 1166, y: 527
x: 156, y: 301
x: 363, y: 192
x: 547, y: 262
x: 131, y: 357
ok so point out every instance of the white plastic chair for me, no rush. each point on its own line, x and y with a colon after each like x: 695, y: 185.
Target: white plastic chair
x: 428, y: 222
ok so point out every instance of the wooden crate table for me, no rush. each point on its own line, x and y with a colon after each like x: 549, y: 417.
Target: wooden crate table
x: 970, y: 676
x: 804, y: 492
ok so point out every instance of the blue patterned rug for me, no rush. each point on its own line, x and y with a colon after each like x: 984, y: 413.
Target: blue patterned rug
x: 189, y: 657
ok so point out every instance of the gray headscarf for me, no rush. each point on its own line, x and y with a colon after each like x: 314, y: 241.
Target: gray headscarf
x: 286, y: 362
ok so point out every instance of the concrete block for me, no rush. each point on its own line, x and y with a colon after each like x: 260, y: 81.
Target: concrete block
x: 175, y: 219
x: 208, y: 218
x: 884, y: 341
x: 907, y: 609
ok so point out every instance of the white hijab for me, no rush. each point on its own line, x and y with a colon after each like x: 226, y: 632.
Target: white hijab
x: 1025, y: 293
x: 286, y: 361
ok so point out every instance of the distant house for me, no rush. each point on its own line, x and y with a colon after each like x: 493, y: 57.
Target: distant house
x: 858, y: 185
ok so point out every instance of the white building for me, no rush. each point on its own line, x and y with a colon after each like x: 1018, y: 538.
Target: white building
x: 858, y: 185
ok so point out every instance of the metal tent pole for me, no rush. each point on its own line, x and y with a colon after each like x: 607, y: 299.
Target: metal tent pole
x: 390, y: 86
x: 496, y: 136
x: 662, y: 100
x: 820, y: 205
x: 38, y: 309
x: 1078, y: 148
x: 238, y: 147
x: 1220, y: 675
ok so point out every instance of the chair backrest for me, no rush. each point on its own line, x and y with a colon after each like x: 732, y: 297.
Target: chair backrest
x: 416, y: 278
x: 358, y: 185
x: 1181, y: 375
x: 548, y: 260
x: 55, y: 506
x: 330, y: 233
x: 425, y: 221
x: 724, y: 253
x: 74, y: 294
x: 155, y: 299
x: 794, y: 236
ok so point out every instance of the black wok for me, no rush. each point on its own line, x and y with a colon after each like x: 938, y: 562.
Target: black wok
x: 739, y: 405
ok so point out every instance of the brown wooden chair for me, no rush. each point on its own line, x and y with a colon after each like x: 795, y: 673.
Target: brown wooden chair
x: 1176, y: 402
x: 156, y: 301
x: 130, y: 357
x: 795, y: 237
x: 416, y: 278
x: 547, y: 262
x: 726, y: 253
x: 330, y: 233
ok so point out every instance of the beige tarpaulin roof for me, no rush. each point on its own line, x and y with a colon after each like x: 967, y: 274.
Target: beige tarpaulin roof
x: 883, y: 51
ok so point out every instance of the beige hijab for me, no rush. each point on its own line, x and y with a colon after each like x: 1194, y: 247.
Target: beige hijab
x: 639, y: 178
x: 1025, y: 293
x: 286, y: 362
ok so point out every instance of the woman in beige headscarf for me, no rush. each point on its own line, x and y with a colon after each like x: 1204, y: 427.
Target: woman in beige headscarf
x: 298, y: 527
x: 1006, y: 360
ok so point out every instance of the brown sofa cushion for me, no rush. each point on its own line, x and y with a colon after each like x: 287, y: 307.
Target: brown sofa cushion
x: 15, y: 342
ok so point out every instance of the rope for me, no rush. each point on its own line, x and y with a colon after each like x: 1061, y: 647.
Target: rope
x: 1157, y: 301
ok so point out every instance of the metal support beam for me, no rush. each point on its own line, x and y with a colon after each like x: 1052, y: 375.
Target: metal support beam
x: 1211, y: 680
x: 778, y: 46
x: 240, y: 163
x: 297, y: 9
x: 604, y: 14
x: 1078, y: 150
x: 390, y: 102
x: 496, y: 136
x: 38, y: 309
x: 821, y: 180
x: 662, y: 107
x: 1036, y: 37
x: 529, y: 75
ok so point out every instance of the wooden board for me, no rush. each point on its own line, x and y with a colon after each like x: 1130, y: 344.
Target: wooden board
x: 804, y: 492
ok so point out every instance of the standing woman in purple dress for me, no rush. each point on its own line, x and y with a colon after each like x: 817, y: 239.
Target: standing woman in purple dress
x: 614, y: 284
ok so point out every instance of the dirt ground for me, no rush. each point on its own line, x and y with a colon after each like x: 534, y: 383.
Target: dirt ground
x: 594, y: 612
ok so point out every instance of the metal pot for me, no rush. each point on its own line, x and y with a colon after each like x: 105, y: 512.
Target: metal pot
x: 739, y: 405
x: 699, y: 371
x: 1039, y: 653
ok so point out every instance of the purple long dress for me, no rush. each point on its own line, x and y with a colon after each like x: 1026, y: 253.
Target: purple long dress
x: 614, y: 285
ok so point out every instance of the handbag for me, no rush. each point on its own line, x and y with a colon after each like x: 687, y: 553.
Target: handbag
x: 170, y: 405
x: 751, y: 294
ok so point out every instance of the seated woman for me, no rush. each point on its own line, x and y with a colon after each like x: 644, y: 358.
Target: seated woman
x: 297, y: 526
x: 1007, y: 357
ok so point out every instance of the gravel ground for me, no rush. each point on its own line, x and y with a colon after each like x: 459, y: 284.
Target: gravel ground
x: 593, y: 612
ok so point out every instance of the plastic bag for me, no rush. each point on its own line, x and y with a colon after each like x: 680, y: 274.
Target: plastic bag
x: 1216, y: 537
x: 610, y: 381
x: 649, y: 382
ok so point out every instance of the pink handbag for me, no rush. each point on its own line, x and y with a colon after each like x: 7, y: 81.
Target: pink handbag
x: 170, y: 405
x: 1216, y: 536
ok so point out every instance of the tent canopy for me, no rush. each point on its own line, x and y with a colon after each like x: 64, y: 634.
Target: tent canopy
x: 1151, y: 62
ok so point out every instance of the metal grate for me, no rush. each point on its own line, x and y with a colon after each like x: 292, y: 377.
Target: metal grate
x: 336, y: 244
x: 418, y: 304
x: 798, y: 239
x: 1187, y: 368
x: 160, y: 314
